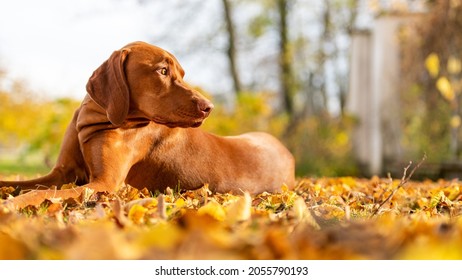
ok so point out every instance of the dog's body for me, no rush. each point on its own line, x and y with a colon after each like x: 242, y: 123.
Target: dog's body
x: 138, y: 125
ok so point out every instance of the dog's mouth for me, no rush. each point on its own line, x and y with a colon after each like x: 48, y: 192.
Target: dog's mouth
x: 184, y: 119
x: 183, y: 124
x: 197, y: 124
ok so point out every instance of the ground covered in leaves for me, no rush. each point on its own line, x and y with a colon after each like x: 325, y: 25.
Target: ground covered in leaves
x: 326, y: 218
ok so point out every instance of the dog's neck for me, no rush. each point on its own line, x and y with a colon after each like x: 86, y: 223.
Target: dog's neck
x: 87, y: 127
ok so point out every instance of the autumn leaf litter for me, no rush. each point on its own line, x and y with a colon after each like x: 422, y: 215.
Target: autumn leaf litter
x: 324, y: 218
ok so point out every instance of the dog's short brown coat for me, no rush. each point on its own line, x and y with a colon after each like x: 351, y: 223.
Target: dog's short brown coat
x: 138, y: 125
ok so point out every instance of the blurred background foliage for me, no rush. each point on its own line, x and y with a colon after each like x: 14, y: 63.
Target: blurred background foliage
x: 431, y: 82
x: 296, y: 90
x: 31, y: 129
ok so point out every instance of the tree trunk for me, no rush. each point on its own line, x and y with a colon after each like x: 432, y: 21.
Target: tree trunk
x: 285, y: 61
x: 231, y: 49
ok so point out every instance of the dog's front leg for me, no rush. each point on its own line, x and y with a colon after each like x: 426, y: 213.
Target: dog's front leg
x: 109, y: 157
x: 108, y: 163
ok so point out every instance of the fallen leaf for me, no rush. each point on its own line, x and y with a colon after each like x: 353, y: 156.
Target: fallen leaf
x: 303, y: 214
x: 119, y: 215
x: 213, y: 209
x: 36, y: 197
x: 161, y: 207
x: 136, y: 213
x: 53, y: 208
x: 240, y: 210
x: 162, y: 235
x: 11, y: 249
x: 145, y: 202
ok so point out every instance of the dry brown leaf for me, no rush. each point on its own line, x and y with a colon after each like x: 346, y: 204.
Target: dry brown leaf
x: 161, y: 207
x: 303, y: 214
x: 36, y: 197
x: 118, y: 212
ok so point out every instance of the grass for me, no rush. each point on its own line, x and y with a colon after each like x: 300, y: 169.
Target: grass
x: 26, y: 168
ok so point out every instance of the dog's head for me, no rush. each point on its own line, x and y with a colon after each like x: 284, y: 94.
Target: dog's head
x: 145, y: 81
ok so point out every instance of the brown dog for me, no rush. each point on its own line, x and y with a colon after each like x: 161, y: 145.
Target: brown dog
x: 137, y: 125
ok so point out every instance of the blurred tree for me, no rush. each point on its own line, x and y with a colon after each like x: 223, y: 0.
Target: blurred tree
x: 320, y: 64
x: 231, y: 46
x: 432, y: 64
x: 285, y: 56
x: 317, y: 51
x: 298, y: 50
x: 306, y: 45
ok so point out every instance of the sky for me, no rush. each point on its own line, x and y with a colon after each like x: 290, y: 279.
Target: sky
x: 55, y: 45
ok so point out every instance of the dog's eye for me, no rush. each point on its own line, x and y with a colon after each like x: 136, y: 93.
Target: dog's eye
x: 163, y: 71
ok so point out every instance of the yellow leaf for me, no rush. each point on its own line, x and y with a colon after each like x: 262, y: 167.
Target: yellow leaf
x: 422, y: 202
x: 455, y: 121
x: 148, y: 202
x: 428, y: 249
x: 438, y: 199
x: 299, y: 209
x: 341, y: 138
x: 454, y: 65
x: 180, y: 203
x: 302, y: 213
x: 136, y: 213
x: 213, y: 209
x: 432, y: 63
x: 162, y: 235
x: 453, y: 191
x: 240, y: 210
x: 445, y: 88
x: 317, y: 189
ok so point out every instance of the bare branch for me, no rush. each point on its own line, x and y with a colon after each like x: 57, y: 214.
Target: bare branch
x: 404, y: 180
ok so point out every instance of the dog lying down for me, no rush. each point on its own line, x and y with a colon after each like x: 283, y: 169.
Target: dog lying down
x: 138, y: 124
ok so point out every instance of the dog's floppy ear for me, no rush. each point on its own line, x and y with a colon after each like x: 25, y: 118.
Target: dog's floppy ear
x: 108, y: 87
